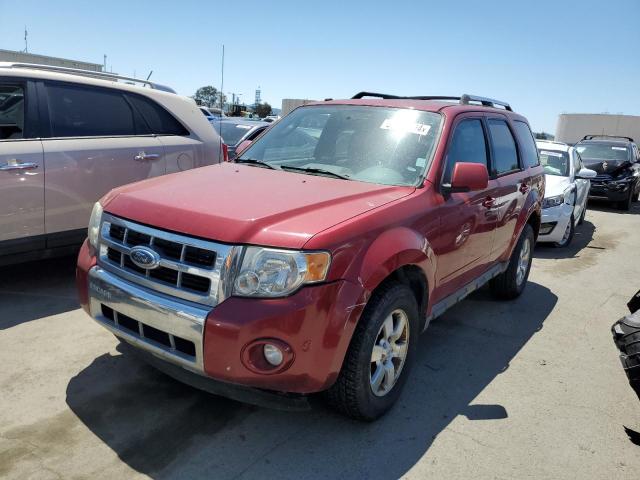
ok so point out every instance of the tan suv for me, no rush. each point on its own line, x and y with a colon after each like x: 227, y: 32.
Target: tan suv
x: 69, y: 136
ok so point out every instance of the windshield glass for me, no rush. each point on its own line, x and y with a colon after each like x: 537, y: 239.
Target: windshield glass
x: 230, y: 132
x: 555, y: 162
x: 389, y: 146
x: 603, y: 151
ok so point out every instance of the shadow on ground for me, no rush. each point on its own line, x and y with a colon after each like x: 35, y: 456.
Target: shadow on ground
x: 37, y: 289
x: 164, y: 429
x: 582, y: 237
x: 604, y: 206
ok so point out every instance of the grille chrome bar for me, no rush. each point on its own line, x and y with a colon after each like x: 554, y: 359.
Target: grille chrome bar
x: 200, y: 273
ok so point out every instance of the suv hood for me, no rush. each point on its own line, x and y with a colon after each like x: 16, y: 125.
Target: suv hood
x: 234, y: 203
x: 608, y: 167
x: 555, y: 185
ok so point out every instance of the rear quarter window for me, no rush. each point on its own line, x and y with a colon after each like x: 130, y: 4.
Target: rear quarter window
x: 527, y: 144
x: 159, y: 121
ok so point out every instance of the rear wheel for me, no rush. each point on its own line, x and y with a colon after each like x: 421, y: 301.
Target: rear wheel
x: 380, y: 356
x: 511, y: 282
x: 568, y: 234
x: 626, y: 204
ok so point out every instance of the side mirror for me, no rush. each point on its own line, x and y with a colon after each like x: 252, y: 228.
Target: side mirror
x: 586, y: 173
x: 469, y: 177
x: 242, y: 147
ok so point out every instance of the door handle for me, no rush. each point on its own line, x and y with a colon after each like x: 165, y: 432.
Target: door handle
x: 141, y: 157
x: 489, y: 202
x: 15, y: 164
x: 524, y: 188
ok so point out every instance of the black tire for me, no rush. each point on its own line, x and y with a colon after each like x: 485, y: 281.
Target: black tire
x: 506, y: 286
x: 626, y: 204
x: 636, y: 197
x: 583, y: 214
x: 352, y: 394
x: 572, y: 231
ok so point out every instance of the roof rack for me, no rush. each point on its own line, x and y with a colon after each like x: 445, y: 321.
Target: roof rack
x: 464, y: 99
x: 86, y: 73
x: 591, y: 137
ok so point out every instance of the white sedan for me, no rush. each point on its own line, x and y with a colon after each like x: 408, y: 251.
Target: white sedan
x: 567, y: 188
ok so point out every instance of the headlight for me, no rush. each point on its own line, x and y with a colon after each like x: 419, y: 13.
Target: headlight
x: 553, y: 201
x: 267, y: 272
x: 94, y: 225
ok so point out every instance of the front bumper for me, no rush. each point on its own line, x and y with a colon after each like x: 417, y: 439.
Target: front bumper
x: 556, y: 219
x: 316, y: 322
x: 612, y: 191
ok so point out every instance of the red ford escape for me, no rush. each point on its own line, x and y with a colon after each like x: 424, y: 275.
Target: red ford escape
x: 314, y: 261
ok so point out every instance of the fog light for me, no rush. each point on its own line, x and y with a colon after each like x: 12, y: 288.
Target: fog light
x: 272, y: 354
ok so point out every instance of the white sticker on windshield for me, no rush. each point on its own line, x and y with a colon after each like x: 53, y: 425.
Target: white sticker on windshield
x: 405, y: 127
x: 421, y: 162
x: 551, y: 154
x: 619, y: 148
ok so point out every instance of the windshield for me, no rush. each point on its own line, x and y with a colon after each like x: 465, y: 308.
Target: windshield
x: 389, y: 146
x: 555, y: 162
x: 603, y: 151
x: 230, y: 132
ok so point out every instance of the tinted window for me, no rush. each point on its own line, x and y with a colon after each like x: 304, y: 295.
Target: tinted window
x: 505, y: 156
x: 158, y: 120
x: 527, y: 143
x: 82, y: 112
x: 467, y: 145
x: 555, y: 162
x: 11, y: 112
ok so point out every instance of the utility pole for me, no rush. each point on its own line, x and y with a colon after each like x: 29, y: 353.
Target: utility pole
x: 222, y: 83
x: 26, y: 44
x: 104, y: 63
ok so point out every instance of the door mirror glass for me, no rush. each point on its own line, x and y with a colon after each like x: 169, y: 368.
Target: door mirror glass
x: 586, y: 173
x: 469, y: 177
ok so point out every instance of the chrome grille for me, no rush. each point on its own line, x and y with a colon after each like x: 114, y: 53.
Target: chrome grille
x: 191, y: 269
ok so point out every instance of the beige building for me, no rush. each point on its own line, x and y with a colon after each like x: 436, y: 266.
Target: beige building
x: 289, y: 104
x: 22, y: 57
x: 572, y: 127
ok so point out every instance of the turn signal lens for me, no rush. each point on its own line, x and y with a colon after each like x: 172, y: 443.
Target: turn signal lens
x: 317, y: 266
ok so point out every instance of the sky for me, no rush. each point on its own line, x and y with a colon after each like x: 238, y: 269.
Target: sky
x: 543, y: 57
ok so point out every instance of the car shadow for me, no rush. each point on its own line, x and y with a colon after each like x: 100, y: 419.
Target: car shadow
x: 164, y: 429
x: 604, y: 206
x: 33, y: 290
x: 581, y: 238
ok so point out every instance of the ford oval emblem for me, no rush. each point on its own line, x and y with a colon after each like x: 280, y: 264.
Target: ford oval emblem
x: 144, y: 257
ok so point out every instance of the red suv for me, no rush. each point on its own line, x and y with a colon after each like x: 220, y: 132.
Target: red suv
x: 314, y: 261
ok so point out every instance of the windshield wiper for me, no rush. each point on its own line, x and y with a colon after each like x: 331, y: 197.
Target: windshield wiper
x: 312, y: 170
x: 258, y: 163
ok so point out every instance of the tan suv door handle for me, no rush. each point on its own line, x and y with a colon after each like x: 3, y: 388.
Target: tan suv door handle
x: 15, y: 164
x: 141, y: 157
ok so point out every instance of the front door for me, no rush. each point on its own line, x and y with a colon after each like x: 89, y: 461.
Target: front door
x: 21, y: 170
x: 467, y: 219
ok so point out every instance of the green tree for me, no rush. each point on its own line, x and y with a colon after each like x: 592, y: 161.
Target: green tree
x: 263, y: 109
x: 207, y: 96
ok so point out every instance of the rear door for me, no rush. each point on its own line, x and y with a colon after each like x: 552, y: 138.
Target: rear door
x: 97, y: 141
x: 468, y: 219
x: 582, y: 185
x: 513, y: 181
x: 21, y: 169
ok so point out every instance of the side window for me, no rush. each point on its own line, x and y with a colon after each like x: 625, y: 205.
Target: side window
x: 159, y: 121
x: 505, y: 155
x: 527, y: 143
x: 11, y: 112
x: 467, y: 146
x: 78, y: 111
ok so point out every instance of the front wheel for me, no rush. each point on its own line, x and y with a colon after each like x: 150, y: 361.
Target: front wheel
x: 511, y: 282
x: 380, y: 355
x: 626, y: 204
x: 568, y: 234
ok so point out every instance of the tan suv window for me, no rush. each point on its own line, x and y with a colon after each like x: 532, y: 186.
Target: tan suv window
x: 11, y: 112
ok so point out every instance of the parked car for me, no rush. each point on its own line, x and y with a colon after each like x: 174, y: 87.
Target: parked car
x: 69, y: 136
x: 212, y: 114
x: 567, y: 189
x: 616, y: 161
x: 235, y: 130
x: 301, y: 269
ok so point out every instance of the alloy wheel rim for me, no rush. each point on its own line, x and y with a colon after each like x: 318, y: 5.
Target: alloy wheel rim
x: 389, y: 353
x: 523, y: 261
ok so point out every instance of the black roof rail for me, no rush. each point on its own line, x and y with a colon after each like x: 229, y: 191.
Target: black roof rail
x: 464, y: 99
x: 591, y: 137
